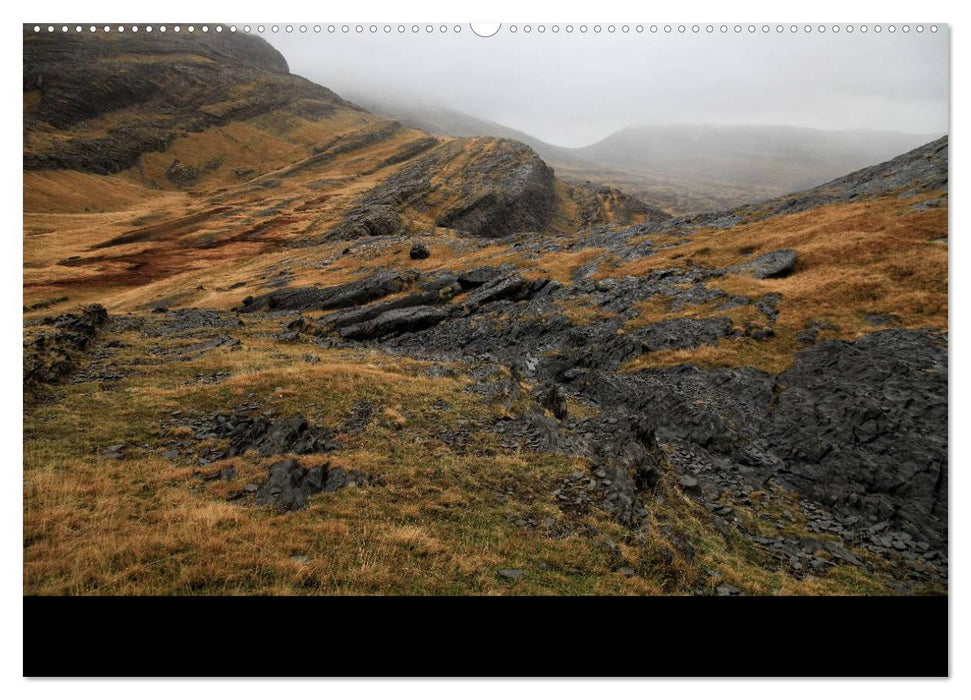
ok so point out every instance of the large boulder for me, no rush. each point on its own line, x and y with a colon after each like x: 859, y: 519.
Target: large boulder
x: 778, y: 263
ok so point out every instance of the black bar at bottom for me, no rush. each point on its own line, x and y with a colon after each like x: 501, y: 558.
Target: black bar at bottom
x: 485, y: 637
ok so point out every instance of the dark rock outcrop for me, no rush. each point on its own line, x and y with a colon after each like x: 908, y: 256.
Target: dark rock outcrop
x: 290, y: 484
x: 361, y: 314
x: 52, y: 354
x: 500, y: 187
x: 512, y: 288
x: 293, y: 435
x: 395, y: 322
x: 859, y: 427
x: 370, y: 220
x: 419, y: 251
x: 683, y: 333
x: 355, y: 293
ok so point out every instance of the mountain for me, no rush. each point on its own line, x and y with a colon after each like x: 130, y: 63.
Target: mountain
x: 276, y: 344
x: 687, y: 169
x: 221, y: 113
x: 779, y: 157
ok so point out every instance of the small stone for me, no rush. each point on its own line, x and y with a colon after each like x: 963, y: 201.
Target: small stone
x: 251, y: 488
x: 688, y: 483
x: 510, y: 574
x: 300, y: 559
x: 727, y: 589
x: 628, y: 572
x: 419, y: 251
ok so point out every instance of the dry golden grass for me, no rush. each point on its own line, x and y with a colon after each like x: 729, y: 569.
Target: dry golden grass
x: 69, y: 191
x: 874, y: 257
x: 441, y: 522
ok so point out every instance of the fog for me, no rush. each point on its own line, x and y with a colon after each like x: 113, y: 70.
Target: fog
x: 574, y: 89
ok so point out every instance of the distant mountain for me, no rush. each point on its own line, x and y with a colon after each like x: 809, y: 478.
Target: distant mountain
x: 780, y: 157
x: 685, y: 169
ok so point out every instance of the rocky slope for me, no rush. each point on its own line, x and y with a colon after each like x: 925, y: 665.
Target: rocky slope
x: 353, y: 358
x: 858, y: 428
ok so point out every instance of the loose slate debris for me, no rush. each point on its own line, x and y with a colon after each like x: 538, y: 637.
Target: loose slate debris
x: 185, y: 321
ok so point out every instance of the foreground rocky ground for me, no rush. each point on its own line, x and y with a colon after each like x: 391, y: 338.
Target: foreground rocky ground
x: 747, y: 402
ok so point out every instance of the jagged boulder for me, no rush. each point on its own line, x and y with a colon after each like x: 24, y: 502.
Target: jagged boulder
x: 513, y: 288
x: 292, y: 435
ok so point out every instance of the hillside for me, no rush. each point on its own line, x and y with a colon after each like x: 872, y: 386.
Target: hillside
x: 200, y: 150
x: 300, y: 349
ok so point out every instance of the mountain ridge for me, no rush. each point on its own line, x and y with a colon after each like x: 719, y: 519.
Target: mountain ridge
x: 703, y: 160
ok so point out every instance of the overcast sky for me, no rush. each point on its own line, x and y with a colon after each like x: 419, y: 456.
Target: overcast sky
x: 574, y: 89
